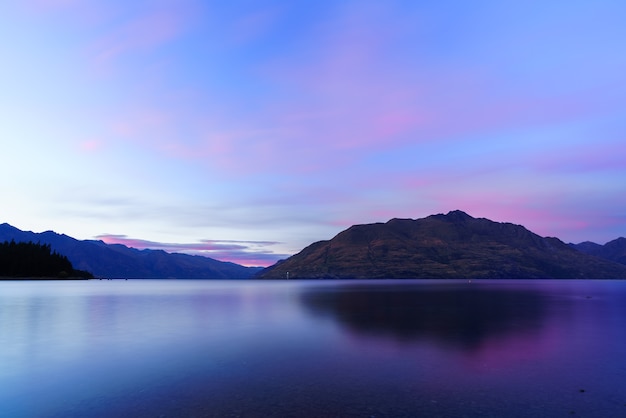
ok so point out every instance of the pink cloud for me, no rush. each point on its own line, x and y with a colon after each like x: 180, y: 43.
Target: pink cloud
x: 546, y: 213
x: 351, y: 94
x: 296, y: 135
x: 91, y: 145
x: 141, y: 34
x: 143, y: 122
x: 248, y: 253
x: 502, y: 198
x: 601, y: 156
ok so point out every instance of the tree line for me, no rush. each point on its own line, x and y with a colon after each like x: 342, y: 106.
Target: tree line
x: 28, y: 259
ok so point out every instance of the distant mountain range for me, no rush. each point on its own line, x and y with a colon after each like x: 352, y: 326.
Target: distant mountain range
x: 454, y: 245
x: 115, y: 260
x: 613, y: 250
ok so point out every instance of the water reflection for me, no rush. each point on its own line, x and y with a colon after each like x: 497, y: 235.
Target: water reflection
x: 460, y: 315
x: 384, y: 348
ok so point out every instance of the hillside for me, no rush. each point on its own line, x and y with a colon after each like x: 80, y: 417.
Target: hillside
x: 116, y: 260
x: 454, y: 245
x: 613, y: 250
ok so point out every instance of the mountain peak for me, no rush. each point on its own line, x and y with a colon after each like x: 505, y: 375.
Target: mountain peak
x: 454, y: 216
x: 454, y: 245
x: 7, y: 226
x: 458, y: 215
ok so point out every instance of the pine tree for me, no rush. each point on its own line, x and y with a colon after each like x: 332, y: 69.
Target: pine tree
x: 27, y: 259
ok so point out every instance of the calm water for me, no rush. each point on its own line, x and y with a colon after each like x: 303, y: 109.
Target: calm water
x: 280, y: 349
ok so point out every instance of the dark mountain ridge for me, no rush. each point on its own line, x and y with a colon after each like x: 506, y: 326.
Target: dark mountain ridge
x: 454, y: 245
x: 613, y: 250
x: 116, y: 260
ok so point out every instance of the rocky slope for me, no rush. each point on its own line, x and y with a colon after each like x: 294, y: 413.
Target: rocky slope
x: 454, y: 245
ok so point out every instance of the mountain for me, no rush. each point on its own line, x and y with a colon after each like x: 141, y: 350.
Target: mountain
x: 104, y: 260
x: 613, y: 250
x: 454, y: 245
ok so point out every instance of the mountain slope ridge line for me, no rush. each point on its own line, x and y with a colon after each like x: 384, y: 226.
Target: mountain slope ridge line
x: 455, y: 245
x: 119, y: 261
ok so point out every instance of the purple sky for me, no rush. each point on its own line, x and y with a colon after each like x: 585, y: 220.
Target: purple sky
x: 246, y: 130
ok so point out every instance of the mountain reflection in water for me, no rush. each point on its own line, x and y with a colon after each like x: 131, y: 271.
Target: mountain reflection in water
x: 463, y: 315
x: 384, y: 348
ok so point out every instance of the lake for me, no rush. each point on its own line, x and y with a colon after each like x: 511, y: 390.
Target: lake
x: 149, y: 348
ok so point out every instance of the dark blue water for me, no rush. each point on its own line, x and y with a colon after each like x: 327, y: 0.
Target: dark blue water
x: 313, y: 349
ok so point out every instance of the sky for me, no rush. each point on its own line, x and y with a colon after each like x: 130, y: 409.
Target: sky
x: 247, y: 130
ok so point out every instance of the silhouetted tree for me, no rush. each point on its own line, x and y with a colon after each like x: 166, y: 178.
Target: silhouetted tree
x: 27, y: 259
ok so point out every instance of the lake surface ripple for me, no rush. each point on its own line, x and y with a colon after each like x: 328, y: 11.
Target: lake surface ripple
x: 149, y: 348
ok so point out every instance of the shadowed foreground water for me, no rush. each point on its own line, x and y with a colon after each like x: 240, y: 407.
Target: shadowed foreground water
x: 278, y: 349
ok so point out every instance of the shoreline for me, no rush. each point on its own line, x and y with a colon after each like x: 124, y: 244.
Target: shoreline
x: 41, y: 278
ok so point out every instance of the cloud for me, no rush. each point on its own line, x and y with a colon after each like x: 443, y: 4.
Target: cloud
x: 266, y: 124
x: 358, y: 84
x: 91, y: 145
x: 250, y: 253
x: 143, y: 33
